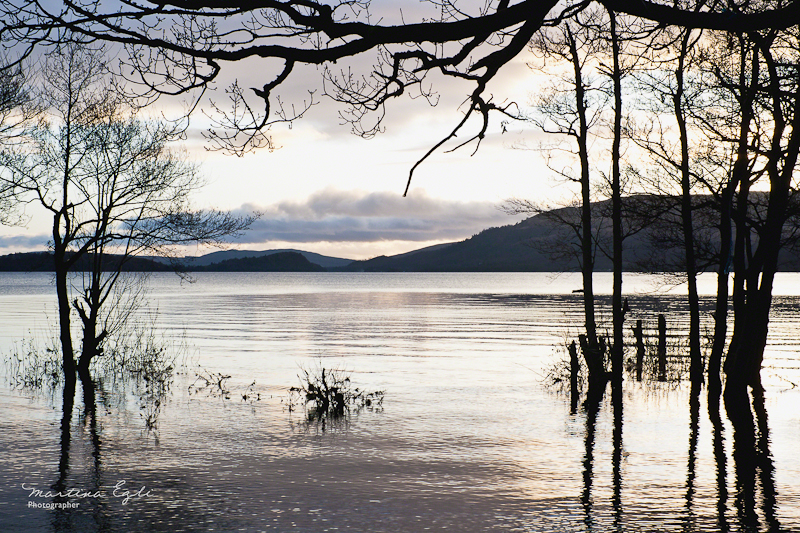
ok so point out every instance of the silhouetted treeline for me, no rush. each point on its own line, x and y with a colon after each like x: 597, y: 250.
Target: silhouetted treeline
x: 278, y: 262
x: 43, y: 262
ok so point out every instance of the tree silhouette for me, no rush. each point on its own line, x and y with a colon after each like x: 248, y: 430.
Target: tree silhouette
x: 177, y: 46
x: 112, y: 186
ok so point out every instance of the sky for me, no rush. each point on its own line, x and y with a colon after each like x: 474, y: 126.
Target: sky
x: 328, y: 191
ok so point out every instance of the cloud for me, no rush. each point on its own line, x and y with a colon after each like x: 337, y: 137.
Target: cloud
x: 351, y: 223
x: 333, y: 215
x: 24, y: 242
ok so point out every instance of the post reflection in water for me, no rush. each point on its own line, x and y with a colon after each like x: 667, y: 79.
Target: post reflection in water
x: 720, y: 459
x: 694, y: 429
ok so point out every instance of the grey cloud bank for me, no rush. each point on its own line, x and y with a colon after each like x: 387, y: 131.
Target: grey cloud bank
x: 352, y: 216
x: 24, y: 242
x: 337, y: 216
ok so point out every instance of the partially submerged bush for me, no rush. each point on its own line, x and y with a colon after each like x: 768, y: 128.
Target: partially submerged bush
x: 136, y: 361
x: 557, y: 375
x: 139, y: 350
x: 140, y: 359
x: 329, y: 394
x: 213, y: 383
x: 33, y: 367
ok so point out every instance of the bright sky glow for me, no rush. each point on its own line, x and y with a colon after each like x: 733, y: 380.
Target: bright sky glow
x: 452, y: 196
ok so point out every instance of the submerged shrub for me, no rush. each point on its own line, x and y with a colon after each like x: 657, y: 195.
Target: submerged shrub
x: 213, y: 383
x: 135, y: 361
x: 557, y: 374
x: 30, y: 366
x: 139, y: 350
x: 328, y: 394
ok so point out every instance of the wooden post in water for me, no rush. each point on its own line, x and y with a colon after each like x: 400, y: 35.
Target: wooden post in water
x: 637, y: 332
x: 574, y: 368
x: 662, y: 348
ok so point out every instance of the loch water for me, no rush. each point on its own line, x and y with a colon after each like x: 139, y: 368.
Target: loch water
x: 471, y: 435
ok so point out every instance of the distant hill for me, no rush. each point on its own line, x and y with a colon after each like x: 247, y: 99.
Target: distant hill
x: 541, y: 244
x: 277, y: 262
x: 26, y: 262
x: 537, y: 244
x: 223, y: 255
x: 514, y: 248
x: 504, y: 249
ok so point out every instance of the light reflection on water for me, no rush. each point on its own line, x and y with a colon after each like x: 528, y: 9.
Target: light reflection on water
x: 468, y: 438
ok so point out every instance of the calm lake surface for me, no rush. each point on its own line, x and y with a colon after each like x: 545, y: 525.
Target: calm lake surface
x: 469, y: 436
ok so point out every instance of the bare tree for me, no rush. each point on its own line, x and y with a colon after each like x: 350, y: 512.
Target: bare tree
x: 588, y: 44
x: 756, y: 259
x: 751, y: 126
x: 668, y: 82
x: 178, y: 46
x: 572, y: 108
x: 618, y: 310
x: 17, y: 115
x: 112, y: 186
x: 729, y: 74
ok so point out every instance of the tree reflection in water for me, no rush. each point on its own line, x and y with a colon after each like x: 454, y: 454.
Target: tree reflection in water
x: 752, y: 458
x: 616, y: 457
x: 764, y: 460
x: 93, y: 514
x: 66, y: 519
x: 694, y: 429
x: 755, y: 494
x: 720, y: 458
x: 592, y: 407
x: 61, y: 516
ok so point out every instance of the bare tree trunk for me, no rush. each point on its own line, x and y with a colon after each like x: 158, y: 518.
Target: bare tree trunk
x: 587, y: 240
x: 618, y: 312
x: 64, y: 323
x: 747, y: 347
x: 750, y: 334
x: 721, y: 303
x: 741, y: 247
x: 695, y: 356
x: 732, y: 256
x: 90, y: 313
x: 91, y: 343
